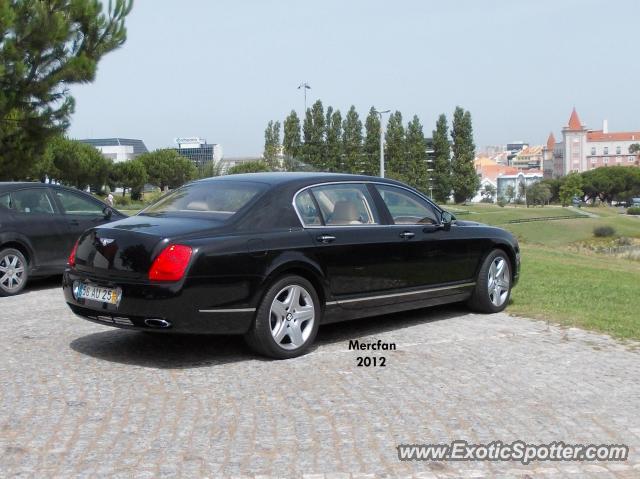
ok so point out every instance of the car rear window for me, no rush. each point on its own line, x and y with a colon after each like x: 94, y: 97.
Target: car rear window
x: 217, y: 200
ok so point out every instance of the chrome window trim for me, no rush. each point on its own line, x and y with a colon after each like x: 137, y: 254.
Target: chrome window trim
x: 408, y: 293
x: 362, y: 182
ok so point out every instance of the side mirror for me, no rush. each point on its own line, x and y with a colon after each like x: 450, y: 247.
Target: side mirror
x: 446, y: 219
x: 107, y: 212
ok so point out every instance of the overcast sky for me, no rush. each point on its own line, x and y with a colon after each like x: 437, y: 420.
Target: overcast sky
x: 222, y: 69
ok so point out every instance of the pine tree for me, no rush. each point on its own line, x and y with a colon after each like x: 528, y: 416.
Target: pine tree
x: 313, y: 131
x: 465, y: 181
x: 441, y: 175
x: 45, y: 48
x: 395, y: 148
x: 371, y: 156
x: 415, y: 168
x: 272, y: 144
x: 333, y: 159
x: 352, y: 143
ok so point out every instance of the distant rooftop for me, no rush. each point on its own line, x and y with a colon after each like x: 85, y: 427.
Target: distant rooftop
x: 138, y: 145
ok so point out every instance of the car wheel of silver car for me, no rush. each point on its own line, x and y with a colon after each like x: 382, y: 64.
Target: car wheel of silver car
x: 287, y: 319
x: 14, y: 272
x: 493, y: 285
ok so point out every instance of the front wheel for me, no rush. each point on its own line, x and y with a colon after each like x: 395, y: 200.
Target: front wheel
x: 287, y: 320
x: 493, y: 285
x: 14, y: 272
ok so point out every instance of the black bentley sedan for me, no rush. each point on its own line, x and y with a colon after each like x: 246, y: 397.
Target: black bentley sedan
x: 273, y: 256
x: 39, y: 223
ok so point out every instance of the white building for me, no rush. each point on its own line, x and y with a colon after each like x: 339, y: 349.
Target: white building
x: 527, y: 178
x: 117, y: 149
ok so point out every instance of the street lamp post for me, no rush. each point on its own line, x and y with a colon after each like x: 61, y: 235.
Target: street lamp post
x: 380, y: 113
x: 304, y: 86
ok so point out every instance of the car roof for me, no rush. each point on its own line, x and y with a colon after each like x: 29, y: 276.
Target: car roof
x: 296, y: 178
x: 16, y: 185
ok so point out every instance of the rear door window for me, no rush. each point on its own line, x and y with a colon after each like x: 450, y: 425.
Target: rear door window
x: 5, y: 201
x: 307, y: 209
x: 32, y: 201
x: 346, y: 205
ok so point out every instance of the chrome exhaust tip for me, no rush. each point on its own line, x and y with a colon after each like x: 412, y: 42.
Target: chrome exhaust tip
x: 157, y: 323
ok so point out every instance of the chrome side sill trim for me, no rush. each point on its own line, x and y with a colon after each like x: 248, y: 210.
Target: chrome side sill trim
x: 238, y: 310
x: 409, y: 293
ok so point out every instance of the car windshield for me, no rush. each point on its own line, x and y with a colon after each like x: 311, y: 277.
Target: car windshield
x: 216, y: 200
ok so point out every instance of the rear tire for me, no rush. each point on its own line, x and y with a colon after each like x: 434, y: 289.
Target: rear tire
x: 287, y: 319
x: 493, y: 284
x: 14, y: 272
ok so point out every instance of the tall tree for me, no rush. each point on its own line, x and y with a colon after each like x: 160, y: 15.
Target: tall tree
x: 333, y: 159
x: 441, y: 175
x: 352, y: 143
x: 46, y: 46
x: 291, y: 143
x: 313, y: 131
x: 464, y: 181
x: 371, y: 156
x: 395, y: 148
x: 272, y: 144
x: 415, y: 164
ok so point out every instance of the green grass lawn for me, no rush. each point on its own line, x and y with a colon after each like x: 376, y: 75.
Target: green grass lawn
x: 591, y: 291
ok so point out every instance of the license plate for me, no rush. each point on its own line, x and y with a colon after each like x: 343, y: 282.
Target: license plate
x: 97, y: 293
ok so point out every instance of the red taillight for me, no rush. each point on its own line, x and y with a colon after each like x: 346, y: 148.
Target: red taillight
x: 171, y: 263
x: 72, y: 256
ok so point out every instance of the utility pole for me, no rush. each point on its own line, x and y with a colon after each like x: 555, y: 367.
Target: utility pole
x: 304, y: 86
x: 380, y: 113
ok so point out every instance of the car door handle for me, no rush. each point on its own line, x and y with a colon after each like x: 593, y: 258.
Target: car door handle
x: 326, y: 238
x: 74, y: 222
x: 407, y: 235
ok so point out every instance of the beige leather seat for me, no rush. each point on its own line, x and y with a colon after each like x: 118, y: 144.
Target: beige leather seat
x: 345, y: 213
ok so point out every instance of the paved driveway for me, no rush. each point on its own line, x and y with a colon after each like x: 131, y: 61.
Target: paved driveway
x: 79, y: 399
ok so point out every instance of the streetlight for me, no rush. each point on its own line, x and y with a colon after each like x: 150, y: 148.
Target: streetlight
x: 304, y: 86
x: 380, y: 113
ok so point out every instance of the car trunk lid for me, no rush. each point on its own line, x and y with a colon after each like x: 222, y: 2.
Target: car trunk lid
x: 127, y: 248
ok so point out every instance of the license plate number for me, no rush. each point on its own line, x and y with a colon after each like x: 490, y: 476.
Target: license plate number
x: 97, y: 293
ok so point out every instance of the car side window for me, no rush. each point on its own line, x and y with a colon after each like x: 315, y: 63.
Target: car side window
x: 32, y: 201
x: 5, y: 201
x: 307, y: 209
x: 76, y: 204
x: 407, y: 208
x: 346, y: 205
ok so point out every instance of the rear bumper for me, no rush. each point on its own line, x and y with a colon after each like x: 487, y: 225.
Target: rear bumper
x: 165, y: 308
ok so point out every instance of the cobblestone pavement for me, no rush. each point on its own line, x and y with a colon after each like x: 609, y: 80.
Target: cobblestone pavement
x: 82, y: 400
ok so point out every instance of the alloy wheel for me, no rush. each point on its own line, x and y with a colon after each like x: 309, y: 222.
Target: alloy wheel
x: 499, y: 277
x: 11, y: 272
x: 292, y: 316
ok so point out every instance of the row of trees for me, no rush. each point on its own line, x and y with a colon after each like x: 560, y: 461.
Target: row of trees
x: 77, y: 164
x: 325, y: 141
x: 606, y: 184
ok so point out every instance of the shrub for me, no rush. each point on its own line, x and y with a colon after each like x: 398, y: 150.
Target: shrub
x: 603, y: 231
x: 502, y: 202
x: 122, y: 200
x: 634, y: 210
